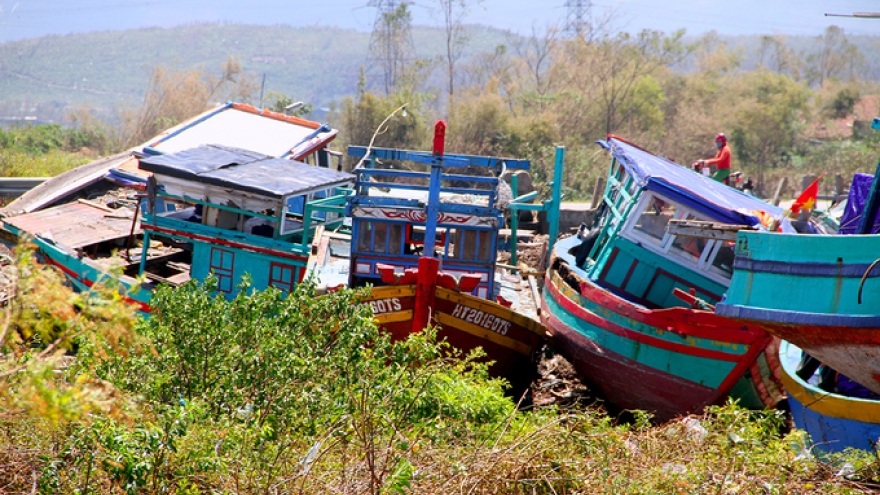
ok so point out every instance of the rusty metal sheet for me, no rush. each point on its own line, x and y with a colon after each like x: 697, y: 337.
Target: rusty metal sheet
x: 77, y: 224
x: 62, y: 185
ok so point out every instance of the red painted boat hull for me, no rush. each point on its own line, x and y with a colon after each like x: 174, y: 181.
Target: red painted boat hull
x: 626, y: 383
x: 644, y: 383
x: 509, y: 339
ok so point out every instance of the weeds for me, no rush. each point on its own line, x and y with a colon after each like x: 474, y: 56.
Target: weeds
x: 274, y: 393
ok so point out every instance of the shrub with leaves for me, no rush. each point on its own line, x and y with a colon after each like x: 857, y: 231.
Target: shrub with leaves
x: 291, y: 371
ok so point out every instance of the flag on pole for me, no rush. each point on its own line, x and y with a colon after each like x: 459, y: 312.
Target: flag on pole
x: 807, y: 200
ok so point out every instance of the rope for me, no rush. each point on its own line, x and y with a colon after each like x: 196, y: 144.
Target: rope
x: 865, y: 276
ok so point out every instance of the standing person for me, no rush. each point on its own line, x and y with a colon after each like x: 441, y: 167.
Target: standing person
x: 721, y: 160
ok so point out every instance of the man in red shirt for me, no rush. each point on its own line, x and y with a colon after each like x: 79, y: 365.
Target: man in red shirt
x: 721, y: 160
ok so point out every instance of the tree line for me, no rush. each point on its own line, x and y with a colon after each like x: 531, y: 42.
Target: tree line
x: 666, y: 92
x: 662, y: 91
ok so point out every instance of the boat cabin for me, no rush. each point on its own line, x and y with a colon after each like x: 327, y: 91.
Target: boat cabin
x: 399, y: 214
x: 233, y: 212
x: 632, y: 250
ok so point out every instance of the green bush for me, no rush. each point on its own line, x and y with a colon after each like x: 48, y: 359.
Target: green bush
x: 41, y: 139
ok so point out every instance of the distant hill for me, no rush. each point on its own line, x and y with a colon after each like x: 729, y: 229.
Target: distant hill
x: 44, y: 77
x: 319, y: 65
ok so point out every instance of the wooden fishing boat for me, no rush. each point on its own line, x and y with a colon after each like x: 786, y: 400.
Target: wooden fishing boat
x: 631, y: 302
x: 165, y: 215
x: 834, y: 422
x: 821, y: 293
x: 270, y: 133
x: 426, y: 243
x: 427, y: 296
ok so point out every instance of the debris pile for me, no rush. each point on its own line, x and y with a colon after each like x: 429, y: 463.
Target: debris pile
x: 558, y: 382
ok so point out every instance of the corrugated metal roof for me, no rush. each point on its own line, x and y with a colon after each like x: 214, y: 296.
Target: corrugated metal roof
x: 244, y: 170
x: 66, y: 183
x: 77, y: 224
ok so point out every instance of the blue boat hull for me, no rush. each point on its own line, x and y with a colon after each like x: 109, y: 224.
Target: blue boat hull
x: 834, y: 422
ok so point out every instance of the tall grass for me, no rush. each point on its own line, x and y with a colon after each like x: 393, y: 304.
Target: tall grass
x: 50, y: 164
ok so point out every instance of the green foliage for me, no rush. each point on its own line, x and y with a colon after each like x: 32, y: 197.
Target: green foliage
x: 767, y: 119
x: 21, y: 164
x: 281, y: 102
x: 44, y: 322
x: 133, y: 458
x: 381, y: 122
x: 45, y: 138
x: 843, y: 157
x: 266, y: 393
x: 843, y: 103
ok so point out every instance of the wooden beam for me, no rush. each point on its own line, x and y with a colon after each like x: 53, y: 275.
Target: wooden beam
x: 779, y: 189
x: 598, y: 192
x: 705, y: 230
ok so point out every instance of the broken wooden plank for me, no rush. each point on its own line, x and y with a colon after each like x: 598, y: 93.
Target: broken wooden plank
x: 536, y: 294
x: 705, y: 230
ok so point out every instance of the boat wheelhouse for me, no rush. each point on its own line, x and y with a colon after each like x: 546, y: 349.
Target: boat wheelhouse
x: 631, y: 302
x: 400, y: 215
x: 426, y: 242
x: 116, y: 215
x: 234, y: 212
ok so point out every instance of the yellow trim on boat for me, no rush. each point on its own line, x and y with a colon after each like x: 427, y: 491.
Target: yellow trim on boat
x: 836, y: 406
x: 395, y: 317
x: 491, y: 308
x: 387, y: 291
x: 482, y: 333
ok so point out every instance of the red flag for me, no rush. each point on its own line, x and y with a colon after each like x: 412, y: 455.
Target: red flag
x: 807, y: 200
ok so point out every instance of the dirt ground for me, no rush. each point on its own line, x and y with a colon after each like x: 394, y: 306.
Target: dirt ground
x: 557, y: 382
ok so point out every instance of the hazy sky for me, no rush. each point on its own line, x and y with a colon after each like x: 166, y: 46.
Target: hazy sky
x: 33, y: 18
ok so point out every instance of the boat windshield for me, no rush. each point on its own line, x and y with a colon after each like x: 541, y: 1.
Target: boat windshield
x: 649, y: 225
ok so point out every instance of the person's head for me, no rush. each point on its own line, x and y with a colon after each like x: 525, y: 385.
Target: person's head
x: 720, y: 140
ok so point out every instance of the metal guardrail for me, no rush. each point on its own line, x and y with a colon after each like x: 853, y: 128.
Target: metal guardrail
x: 13, y: 187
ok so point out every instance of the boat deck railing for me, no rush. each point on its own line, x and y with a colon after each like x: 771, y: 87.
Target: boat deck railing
x: 406, y: 194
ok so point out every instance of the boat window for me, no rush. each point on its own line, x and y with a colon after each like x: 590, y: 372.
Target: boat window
x: 654, y: 218
x: 691, y: 247
x: 649, y: 229
x: 222, y: 219
x: 293, y: 215
x: 485, y: 250
x: 395, y: 238
x: 180, y: 211
x: 365, y: 235
x: 470, y: 245
x: 380, y: 237
x: 259, y: 225
x: 724, y: 255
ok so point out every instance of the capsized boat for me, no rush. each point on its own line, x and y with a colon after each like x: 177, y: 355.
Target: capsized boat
x: 834, y: 422
x: 426, y: 243
x: 170, y: 213
x: 630, y: 303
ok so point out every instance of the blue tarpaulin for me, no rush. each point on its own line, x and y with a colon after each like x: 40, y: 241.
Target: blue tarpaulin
x: 855, y: 205
x: 695, y: 191
x: 244, y: 170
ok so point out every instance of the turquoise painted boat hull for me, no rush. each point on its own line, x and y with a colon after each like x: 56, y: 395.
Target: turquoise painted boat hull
x: 821, y: 293
x: 669, y: 362
x: 834, y: 422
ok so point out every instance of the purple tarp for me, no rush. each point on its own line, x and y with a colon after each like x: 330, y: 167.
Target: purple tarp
x: 855, y: 204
